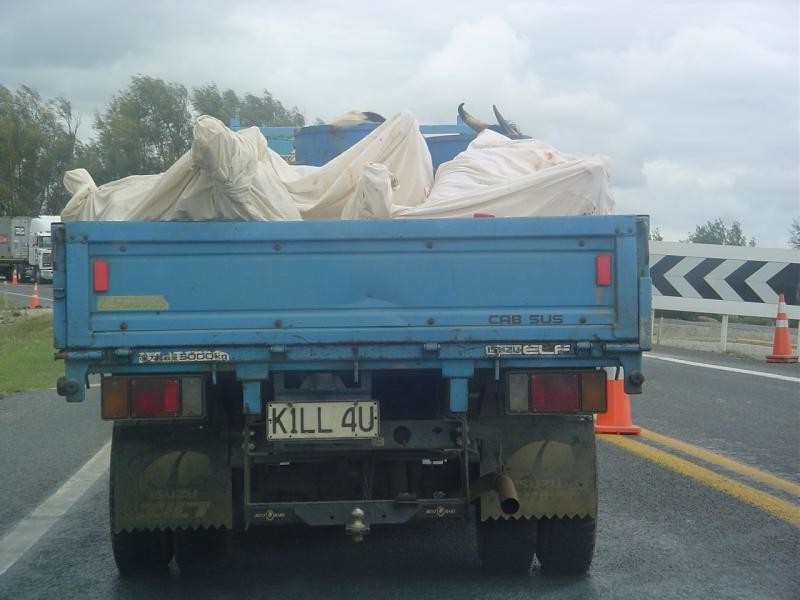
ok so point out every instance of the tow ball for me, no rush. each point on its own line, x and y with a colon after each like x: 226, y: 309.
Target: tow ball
x: 356, y: 528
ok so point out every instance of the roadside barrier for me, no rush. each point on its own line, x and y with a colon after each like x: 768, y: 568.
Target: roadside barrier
x: 782, y: 344
x: 14, y: 279
x: 617, y: 419
x: 35, y: 296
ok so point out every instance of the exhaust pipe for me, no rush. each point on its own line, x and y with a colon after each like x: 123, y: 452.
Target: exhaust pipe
x: 505, y: 488
x: 500, y: 483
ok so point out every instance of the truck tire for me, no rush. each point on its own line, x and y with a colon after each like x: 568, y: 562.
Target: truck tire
x: 507, y: 546
x: 202, y: 548
x: 138, y: 552
x: 566, y: 546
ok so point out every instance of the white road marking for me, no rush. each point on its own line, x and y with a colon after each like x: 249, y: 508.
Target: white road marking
x: 28, y: 531
x: 680, y: 361
x: 41, y: 296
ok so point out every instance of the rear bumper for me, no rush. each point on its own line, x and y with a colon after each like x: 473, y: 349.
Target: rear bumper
x: 376, y: 512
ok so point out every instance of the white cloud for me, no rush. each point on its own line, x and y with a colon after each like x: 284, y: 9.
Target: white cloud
x: 679, y: 196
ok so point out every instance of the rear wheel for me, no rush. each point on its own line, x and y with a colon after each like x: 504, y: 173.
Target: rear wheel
x: 566, y: 546
x: 507, y: 545
x: 138, y: 552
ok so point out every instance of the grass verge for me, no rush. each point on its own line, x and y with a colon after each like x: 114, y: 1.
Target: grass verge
x: 26, y: 348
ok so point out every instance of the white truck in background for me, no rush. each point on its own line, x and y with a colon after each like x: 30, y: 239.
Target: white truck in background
x: 25, y: 244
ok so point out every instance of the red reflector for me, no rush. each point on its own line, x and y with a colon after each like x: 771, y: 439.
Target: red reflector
x: 555, y: 392
x: 482, y: 216
x: 603, y: 270
x: 155, y: 397
x: 100, y: 268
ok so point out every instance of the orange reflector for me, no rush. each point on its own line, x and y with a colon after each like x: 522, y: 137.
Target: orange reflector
x: 593, y: 392
x: 114, y: 398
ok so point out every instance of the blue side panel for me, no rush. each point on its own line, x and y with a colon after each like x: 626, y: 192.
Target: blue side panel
x: 352, y: 282
x: 445, y: 147
x: 319, y: 144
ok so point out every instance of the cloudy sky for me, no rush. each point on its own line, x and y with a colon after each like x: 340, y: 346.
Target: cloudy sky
x: 696, y: 102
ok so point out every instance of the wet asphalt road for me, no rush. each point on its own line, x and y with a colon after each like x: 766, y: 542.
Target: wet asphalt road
x: 661, y: 534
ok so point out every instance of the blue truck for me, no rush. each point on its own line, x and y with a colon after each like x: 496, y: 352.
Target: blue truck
x: 352, y: 374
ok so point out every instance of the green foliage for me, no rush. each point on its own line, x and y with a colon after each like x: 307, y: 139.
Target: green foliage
x: 655, y: 235
x: 145, y: 128
x: 260, y: 111
x: 37, y: 142
x: 716, y: 232
x: 26, y: 346
x: 794, y: 233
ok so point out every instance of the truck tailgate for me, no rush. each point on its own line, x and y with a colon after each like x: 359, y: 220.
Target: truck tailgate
x: 453, y: 280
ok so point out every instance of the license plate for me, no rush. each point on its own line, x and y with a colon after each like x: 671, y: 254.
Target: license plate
x: 353, y: 419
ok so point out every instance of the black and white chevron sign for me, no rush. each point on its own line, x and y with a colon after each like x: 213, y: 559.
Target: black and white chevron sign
x: 706, y: 278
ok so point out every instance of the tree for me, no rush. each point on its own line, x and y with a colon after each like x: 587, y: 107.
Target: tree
x: 716, y: 232
x: 794, y: 233
x: 37, y: 141
x: 145, y: 128
x: 251, y: 110
x: 655, y: 235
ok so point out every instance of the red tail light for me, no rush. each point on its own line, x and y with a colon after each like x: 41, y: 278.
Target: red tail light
x: 155, y: 397
x: 556, y: 391
x: 152, y: 397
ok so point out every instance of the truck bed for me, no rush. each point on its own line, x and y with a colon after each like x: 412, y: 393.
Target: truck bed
x: 390, y: 290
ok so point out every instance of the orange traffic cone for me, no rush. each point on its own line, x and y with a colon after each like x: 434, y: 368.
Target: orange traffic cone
x: 14, y: 280
x: 617, y: 419
x: 35, y: 297
x: 782, y: 345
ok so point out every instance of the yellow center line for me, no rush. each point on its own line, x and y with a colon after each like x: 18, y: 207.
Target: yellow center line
x: 724, y: 462
x: 782, y: 509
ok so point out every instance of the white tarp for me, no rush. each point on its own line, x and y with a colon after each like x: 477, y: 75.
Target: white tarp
x: 234, y: 176
x: 515, y: 178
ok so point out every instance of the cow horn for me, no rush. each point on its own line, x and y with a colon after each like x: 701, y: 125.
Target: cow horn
x: 472, y: 122
x: 510, y: 128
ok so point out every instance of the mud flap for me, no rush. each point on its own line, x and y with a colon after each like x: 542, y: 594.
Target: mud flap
x: 552, y: 461
x: 170, y: 479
